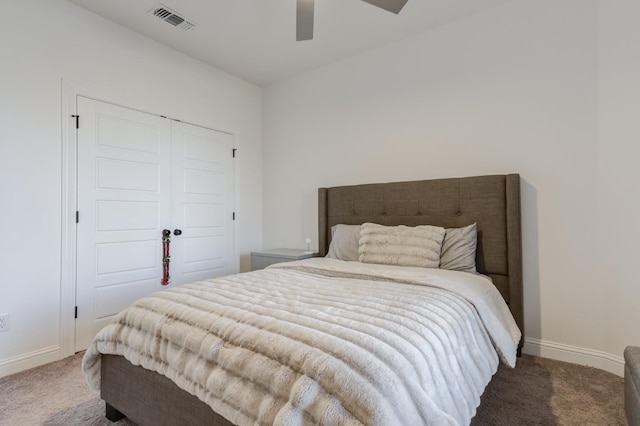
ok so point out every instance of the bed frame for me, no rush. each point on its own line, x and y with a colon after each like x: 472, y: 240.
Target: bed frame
x: 493, y: 202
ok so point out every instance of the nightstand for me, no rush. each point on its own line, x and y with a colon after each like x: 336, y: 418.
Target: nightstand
x: 262, y: 259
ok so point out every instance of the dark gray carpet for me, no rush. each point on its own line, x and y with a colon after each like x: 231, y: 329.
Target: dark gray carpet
x: 537, y: 392
x: 541, y: 391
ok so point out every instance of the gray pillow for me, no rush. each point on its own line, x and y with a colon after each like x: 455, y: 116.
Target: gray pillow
x: 344, y: 242
x: 459, y: 249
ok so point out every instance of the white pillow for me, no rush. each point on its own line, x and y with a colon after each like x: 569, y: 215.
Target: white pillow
x: 401, y: 245
x: 344, y: 242
x: 459, y: 249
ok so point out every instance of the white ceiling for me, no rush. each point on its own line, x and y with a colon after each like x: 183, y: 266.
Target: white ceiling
x: 255, y: 39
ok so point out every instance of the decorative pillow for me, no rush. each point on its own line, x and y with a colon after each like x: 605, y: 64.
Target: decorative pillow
x: 459, y: 249
x: 401, y: 245
x: 344, y: 242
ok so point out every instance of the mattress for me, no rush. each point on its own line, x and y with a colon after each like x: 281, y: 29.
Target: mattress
x: 322, y: 341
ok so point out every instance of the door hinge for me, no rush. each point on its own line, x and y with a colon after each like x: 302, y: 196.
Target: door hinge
x: 234, y: 215
x: 77, y: 216
x: 77, y: 117
x: 76, y: 313
x: 234, y: 152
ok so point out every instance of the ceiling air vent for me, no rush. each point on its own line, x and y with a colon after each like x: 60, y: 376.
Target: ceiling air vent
x: 172, y: 17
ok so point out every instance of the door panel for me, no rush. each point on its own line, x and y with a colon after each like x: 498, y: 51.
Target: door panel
x: 127, y: 175
x: 124, y: 187
x: 116, y: 132
x: 125, y: 256
x: 202, y: 200
x: 203, y: 215
x: 111, y: 299
x: 127, y: 215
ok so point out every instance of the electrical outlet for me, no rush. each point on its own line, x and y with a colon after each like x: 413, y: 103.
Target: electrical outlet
x: 4, y: 322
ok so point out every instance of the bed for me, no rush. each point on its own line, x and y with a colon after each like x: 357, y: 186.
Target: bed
x: 491, y: 202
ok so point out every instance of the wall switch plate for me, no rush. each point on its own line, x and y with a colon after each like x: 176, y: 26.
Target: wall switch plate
x: 4, y: 322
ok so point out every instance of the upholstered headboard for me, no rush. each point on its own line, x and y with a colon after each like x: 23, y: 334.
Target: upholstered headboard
x: 493, y: 202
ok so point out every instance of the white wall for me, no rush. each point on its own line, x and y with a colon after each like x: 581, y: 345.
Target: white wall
x: 514, y: 89
x: 43, y: 42
x: 618, y: 171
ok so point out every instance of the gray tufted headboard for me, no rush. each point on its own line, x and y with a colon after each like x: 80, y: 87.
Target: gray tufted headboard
x: 493, y: 202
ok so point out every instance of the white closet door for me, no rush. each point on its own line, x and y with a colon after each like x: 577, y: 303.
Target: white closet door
x: 137, y: 175
x: 202, y: 204
x: 124, y: 196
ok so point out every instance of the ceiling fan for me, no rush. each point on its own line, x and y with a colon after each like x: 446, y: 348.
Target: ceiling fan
x: 304, y: 14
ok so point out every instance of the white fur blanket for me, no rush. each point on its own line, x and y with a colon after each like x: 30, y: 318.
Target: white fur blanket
x: 321, y: 341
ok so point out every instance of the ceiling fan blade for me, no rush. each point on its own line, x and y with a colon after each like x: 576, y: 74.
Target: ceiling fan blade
x: 304, y: 20
x: 394, y: 6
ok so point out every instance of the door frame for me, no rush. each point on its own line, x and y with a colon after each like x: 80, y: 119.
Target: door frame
x: 68, y: 249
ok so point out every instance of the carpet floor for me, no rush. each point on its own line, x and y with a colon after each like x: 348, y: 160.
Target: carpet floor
x: 537, y: 392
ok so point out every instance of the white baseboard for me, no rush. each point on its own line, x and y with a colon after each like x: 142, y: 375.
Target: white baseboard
x: 29, y: 360
x: 574, y: 354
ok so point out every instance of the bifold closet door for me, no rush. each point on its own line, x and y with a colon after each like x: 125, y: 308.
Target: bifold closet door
x: 138, y: 174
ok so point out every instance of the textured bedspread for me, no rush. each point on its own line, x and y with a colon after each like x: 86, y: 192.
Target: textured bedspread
x: 322, y: 341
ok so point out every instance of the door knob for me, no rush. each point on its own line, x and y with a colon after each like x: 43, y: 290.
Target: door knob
x: 177, y: 232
